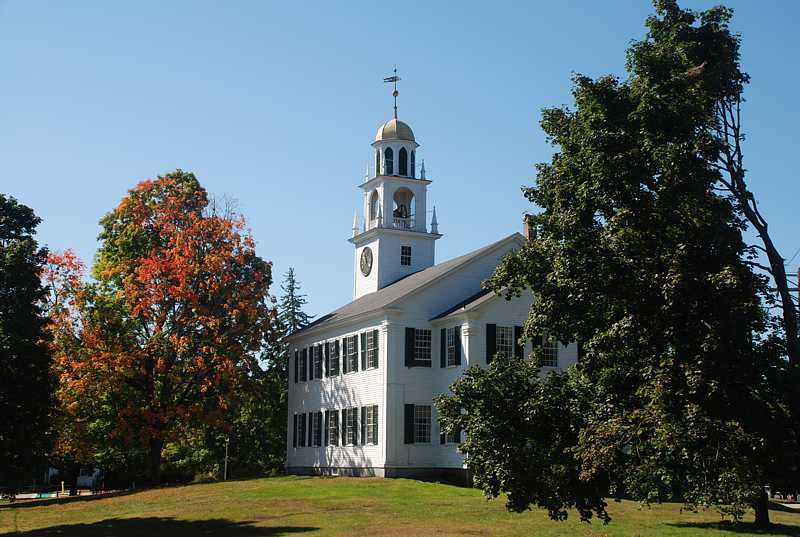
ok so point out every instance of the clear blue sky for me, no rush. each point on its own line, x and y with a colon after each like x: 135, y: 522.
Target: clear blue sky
x: 275, y: 105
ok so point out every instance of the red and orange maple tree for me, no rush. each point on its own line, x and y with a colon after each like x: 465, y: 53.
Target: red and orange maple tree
x: 174, y: 321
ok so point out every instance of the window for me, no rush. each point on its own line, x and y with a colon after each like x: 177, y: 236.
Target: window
x: 505, y: 340
x: 352, y: 354
x: 422, y: 424
x: 317, y: 372
x: 413, y: 164
x: 316, y: 429
x: 453, y: 438
x: 372, y: 349
x: 333, y: 428
x: 451, y: 348
x: 351, y: 426
x: 301, y: 430
x: 405, y: 256
x: 388, y: 161
x: 333, y: 360
x: 402, y: 163
x: 549, y: 352
x: 422, y: 346
x: 372, y: 425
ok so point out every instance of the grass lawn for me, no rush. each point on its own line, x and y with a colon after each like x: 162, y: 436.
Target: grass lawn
x: 343, y: 506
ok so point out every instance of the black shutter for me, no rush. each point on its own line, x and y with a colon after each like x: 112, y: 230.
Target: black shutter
x: 335, y: 440
x: 580, y: 350
x: 363, y: 337
x: 491, y: 342
x: 301, y: 438
x: 519, y: 348
x: 294, y: 430
x: 458, y: 344
x: 308, y: 429
x: 296, y: 357
x: 325, y: 422
x: 304, y: 369
x: 409, y: 347
x: 363, y: 425
x: 375, y: 423
x: 443, y: 347
x: 409, y: 424
x: 377, y: 347
x: 327, y: 361
x: 343, y: 427
x: 355, y: 424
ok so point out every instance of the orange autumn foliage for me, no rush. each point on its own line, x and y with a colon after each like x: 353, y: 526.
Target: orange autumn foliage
x: 177, y: 316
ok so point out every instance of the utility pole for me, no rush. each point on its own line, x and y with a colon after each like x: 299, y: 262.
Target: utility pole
x: 225, y: 471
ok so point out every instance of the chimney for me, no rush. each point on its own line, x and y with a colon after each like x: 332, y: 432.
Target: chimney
x: 528, y: 227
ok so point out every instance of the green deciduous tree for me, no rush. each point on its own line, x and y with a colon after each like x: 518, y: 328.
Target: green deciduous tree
x: 25, y: 388
x: 640, y: 258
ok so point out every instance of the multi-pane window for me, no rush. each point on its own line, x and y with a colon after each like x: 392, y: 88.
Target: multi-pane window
x: 422, y: 345
x: 303, y: 364
x: 317, y: 369
x: 505, y: 340
x: 372, y: 425
x: 450, y: 335
x: 301, y: 430
x: 452, y: 438
x: 352, y: 353
x: 316, y: 429
x: 351, y: 425
x: 333, y: 428
x: 372, y: 348
x: 422, y: 424
x: 405, y: 255
x: 333, y: 358
x: 549, y: 352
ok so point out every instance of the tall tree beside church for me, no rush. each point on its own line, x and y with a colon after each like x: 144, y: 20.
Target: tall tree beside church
x: 177, y: 316
x: 290, y: 308
x: 25, y: 388
x: 640, y: 259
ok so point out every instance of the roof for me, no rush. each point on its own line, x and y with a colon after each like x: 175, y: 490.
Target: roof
x: 395, y: 292
x: 470, y: 303
x: 394, y: 129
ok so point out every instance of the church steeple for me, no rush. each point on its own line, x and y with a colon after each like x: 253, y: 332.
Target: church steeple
x: 395, y: 240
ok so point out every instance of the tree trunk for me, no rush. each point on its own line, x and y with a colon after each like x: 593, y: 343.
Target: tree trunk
x: 74, y: 472
x: 761, y: 507
x: 154, y: 472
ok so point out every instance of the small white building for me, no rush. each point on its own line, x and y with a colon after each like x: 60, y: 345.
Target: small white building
x: 363, y: 378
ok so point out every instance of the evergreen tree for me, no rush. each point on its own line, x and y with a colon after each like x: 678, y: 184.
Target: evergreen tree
x: 290, y: 310
x: 25, y: 388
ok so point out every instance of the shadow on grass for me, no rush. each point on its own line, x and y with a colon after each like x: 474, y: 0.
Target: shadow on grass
x: 21, y: 504
x: 744, y: 528
x: 164, y: 526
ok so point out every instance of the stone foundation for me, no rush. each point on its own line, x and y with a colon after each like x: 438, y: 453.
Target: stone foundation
x: 455, y: 476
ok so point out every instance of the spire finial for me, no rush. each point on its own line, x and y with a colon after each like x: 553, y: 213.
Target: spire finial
x: 394, y: 79
x: 422, y: 171
x: 434, y: 223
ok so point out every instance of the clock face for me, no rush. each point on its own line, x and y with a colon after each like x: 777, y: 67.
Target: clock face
x: 366, y: 261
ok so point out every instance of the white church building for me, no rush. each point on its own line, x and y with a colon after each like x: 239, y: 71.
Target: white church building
x: 363, y: 378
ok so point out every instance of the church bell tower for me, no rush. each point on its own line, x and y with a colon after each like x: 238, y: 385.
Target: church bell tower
x: 392, y: 239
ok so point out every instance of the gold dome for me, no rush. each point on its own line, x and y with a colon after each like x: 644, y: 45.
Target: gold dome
x: 394, y: 129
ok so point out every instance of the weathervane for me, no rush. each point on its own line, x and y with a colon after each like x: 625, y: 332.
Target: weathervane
x: 394, y: 79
